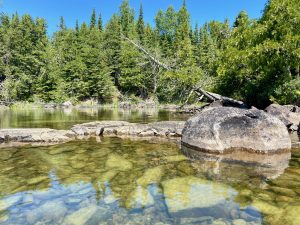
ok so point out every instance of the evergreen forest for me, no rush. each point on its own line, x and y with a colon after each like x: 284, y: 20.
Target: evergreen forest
x: 253, y: 60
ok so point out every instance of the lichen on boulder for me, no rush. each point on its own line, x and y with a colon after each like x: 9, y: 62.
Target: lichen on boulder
x: 225, y: 129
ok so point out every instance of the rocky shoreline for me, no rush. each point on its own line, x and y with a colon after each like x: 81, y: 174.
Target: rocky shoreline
x: 215, y: 130
x: 44, y: 136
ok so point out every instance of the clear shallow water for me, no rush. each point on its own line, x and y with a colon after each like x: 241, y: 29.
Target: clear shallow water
x: 66, y: 118
x: 116, y: 181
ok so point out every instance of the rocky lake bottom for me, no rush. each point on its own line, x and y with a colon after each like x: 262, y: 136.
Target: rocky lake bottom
x: 114, y: 181
x: 123, y: 181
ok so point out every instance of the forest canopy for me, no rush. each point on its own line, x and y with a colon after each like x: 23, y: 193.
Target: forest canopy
x: 254, y: 60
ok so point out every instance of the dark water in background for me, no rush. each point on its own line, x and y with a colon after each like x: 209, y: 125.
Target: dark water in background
x: 66, y: 118
x: 122, y: 181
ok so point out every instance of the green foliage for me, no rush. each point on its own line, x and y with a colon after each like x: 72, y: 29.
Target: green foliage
x: 257, y: 61
x: 93, y: 20
x: 261, y: 60
x: 287, y: 93
x: 141, y: 25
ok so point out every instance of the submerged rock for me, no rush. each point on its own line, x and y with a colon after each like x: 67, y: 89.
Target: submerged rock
x: 8, y: 202
x: 53, y: 211
x: 191, y: 192
x: 108, y: 176
x: 139, y: 198
x: 117, y: 162
x: 289, y: 115
x: 37, y: 180
x: 150, y: 176
x: 175, y: 158
x: 225, y: 128
x: 81, y: 216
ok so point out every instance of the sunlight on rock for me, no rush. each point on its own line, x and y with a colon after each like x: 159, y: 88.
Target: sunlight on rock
x: 81, y: 216
x: 151, y: 176
x: 175, y: 158
x: 139, y: 198
x: 191, y: 192
x: 115, y: 161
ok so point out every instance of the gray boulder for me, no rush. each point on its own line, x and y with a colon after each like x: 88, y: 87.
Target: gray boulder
x: 67, y: 104
x: 35, y: 135
x: 288, y: 114
x: 122, y: 128
x: 223, y: 129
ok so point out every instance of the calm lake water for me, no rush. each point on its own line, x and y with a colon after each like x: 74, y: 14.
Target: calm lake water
x: 121, y: 181
x: 66, y: 118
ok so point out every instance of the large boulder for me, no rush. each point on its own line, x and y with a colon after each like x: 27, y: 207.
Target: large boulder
x: 288, y: 114
x: 224, y: 129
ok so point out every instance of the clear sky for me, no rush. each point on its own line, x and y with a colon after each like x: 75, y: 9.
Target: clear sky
x: 200, y: 10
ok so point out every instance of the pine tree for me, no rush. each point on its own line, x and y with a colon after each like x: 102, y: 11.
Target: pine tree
x: 62, y: 24
x: 77, y: 26
x: 126, y: 18
x: 112, y: 46
x: 183, y: 40
x: 166, y: 23
x: 93, y: 20
x: 100, y: 23
x: 141, y: 25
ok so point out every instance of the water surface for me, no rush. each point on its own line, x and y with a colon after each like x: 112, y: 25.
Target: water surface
x: 123, y: 181
x: 66, y: 118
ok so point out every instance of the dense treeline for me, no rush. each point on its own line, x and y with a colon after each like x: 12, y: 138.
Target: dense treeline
x: 254, y: 60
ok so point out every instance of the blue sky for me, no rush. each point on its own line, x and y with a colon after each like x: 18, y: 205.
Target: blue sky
x: 201, y: 10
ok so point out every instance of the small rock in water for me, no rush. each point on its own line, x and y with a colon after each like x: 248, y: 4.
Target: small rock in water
x: 108, y: 176
x: 139, y: 198
x: 50, y: 211
x: 8, y: 202
x: 3, y: 218
x: 220, y: 222
x: 115, y: 161
x: 239, y: 222
x: 81, y: 216
x: 175, y: 158
x: 28, y: 199
x: 152, y: 175
x: 197, y: 220
x: 263, y: 207
x: 73, y: 200
x: 37, y: 180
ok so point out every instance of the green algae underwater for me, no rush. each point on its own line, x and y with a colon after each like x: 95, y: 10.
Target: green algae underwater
x: 123, y: 181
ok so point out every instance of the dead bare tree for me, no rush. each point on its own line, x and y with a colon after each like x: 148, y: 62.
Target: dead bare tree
x: 211, y: 97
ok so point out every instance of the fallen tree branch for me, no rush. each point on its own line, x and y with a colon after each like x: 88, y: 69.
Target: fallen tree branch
x: 163, y: 65
x: 211, y: 97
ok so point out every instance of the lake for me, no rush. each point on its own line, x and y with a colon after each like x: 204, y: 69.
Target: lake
x: 126, y: 181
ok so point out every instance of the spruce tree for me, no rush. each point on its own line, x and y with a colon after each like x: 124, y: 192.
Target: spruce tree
x: 141, y: 25
x: 93, y: 20
x: 126, y: 17
x: 100, y: 22
x: 62, y: 24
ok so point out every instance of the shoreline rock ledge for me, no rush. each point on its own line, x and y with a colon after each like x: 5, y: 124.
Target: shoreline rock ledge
x: 224, y: 129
